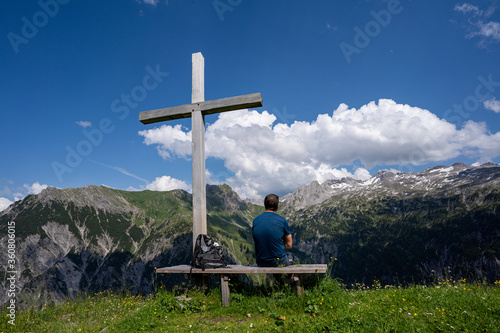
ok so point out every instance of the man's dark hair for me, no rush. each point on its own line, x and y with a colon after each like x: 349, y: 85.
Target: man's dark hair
x: 271, y: 202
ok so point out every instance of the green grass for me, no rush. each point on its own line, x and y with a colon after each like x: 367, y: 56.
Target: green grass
x: 447, y: 306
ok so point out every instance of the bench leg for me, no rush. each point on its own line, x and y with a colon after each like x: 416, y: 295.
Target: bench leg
x: 199, y: 280
x: 224, y: 289
x: 298, y: 283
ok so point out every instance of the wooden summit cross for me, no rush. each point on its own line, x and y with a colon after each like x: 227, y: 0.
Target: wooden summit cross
x: 197, y: 111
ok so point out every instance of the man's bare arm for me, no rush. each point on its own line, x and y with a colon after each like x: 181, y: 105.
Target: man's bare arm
x: 287, y: 240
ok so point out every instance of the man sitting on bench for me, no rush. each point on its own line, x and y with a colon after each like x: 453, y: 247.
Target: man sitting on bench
x: 271, y: 235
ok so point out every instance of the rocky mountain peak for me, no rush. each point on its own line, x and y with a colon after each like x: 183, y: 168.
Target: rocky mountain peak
x: 307, y: 195
x: 438, y: 178
x: 222, y: 197
x: 98, y: 197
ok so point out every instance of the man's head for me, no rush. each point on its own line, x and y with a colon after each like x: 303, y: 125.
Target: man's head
x: 271, y: 202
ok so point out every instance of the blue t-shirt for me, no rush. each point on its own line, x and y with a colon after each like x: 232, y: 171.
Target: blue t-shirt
x: 268, y: 231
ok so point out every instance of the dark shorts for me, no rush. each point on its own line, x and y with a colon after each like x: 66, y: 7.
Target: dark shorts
x: 290, y: 259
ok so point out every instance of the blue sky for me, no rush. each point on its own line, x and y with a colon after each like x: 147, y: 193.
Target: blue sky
x: 349, y: 88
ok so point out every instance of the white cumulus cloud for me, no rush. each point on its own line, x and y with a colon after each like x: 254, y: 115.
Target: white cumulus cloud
x: 489, y: 30
x: 264, y: 156
x: 468, y: 8
x: 35, y: 188
x: 492, y: 104
x: 169, y: 140
x: 4, y: 203
x: 149, y: 2
x: 478, y: 25
x: 267, y: 157
x: 167, y: 183
x: 84, y: 124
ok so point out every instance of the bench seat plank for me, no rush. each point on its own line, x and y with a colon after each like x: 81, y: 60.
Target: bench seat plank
x: 246, y: 269
x: 226, y: 272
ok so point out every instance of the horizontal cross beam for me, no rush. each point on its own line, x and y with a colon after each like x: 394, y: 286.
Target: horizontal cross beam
x: 208, y: 107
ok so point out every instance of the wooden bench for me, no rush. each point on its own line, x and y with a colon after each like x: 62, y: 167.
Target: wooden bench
x: 298, y: 272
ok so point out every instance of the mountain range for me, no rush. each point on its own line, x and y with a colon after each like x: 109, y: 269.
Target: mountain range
x: 442, y: 222
x: 394, y: 227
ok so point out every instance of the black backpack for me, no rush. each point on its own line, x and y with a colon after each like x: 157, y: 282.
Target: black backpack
x: 207, y: 253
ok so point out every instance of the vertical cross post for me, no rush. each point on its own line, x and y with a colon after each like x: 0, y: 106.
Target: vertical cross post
x: 198, y: 146
x: 197, y: 111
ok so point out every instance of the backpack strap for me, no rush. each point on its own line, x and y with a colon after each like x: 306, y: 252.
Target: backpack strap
x: 202, y: 262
